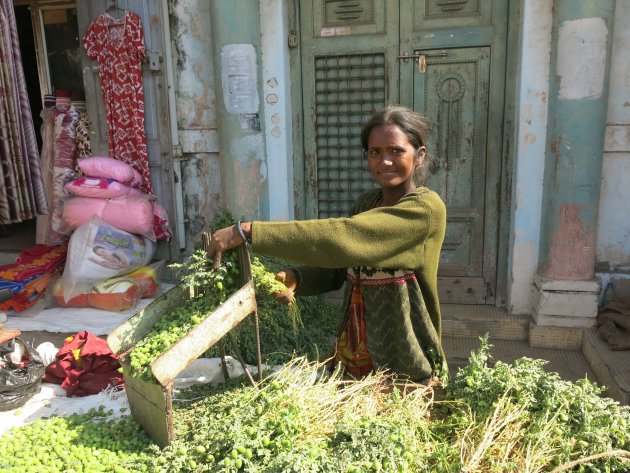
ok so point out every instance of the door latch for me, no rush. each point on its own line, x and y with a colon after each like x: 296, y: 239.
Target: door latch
x: 422, y: 58
x: 155, y: 60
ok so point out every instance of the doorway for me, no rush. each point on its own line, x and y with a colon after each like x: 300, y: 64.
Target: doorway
x: 51, y: 59
x: 443, y: 58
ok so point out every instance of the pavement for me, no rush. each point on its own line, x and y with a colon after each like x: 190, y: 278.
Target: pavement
x: 590, y: 357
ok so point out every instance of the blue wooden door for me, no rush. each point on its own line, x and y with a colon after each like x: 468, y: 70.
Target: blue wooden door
x: 445, y: 59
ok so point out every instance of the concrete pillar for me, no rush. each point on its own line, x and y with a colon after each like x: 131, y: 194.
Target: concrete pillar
x: 237, y: 68
x: 565, y: 290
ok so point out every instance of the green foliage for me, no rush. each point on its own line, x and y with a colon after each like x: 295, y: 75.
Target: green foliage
x: 581, y: 421
x: 279, y: 342
x: 298, y: 422
x: 497, y: 418
x: 223, y: 218
x: 201, y: 278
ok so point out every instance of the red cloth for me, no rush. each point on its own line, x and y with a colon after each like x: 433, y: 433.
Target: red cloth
x: 84, y: 365
x: 38, y: 259
x: 118, y: 46
x: 352, y: 339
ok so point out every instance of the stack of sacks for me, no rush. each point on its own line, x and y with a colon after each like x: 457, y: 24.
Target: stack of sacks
x: 31, y: 274
x: 109, y: 189
x: 114, y: 226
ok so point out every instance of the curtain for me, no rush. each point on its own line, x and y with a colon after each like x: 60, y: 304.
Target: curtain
x: 21, y: 186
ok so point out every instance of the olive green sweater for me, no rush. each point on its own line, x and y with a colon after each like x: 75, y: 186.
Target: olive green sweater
x: 403, y: 320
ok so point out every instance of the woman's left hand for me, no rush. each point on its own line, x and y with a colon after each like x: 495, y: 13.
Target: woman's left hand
x: 223, y: 240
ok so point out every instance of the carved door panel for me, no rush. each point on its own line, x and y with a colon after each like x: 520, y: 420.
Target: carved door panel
x: 453, y: 93
x: 456, y: 79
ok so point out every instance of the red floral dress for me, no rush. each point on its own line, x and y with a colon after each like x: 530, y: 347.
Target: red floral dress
x: 118, y: 46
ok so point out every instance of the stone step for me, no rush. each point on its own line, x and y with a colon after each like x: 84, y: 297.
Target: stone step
x: 474, y: 321
x: 612, y: 368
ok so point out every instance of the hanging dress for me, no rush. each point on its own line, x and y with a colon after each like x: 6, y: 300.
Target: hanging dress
x: 118, y: 46
x: 44, y: 222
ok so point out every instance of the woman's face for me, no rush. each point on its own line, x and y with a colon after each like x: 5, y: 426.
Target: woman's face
x: 392, y: 159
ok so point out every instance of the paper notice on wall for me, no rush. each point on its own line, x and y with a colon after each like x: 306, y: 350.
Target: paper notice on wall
x: 582, y: 58
x: 239, y: 78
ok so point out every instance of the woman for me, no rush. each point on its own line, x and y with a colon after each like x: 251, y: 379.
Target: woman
x: 112, y: 260
x: 386, y: 252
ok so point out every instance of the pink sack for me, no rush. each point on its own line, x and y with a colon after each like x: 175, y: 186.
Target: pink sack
x: 110, y: 168
x: 161, y: 227
x: 99, y: 187
x: 133, y: 214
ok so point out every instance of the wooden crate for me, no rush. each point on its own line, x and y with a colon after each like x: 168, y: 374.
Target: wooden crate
x: 151, y: 403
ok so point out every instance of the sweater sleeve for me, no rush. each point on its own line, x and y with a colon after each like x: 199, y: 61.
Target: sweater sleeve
x: 314, y: 281
x: 384, y: 237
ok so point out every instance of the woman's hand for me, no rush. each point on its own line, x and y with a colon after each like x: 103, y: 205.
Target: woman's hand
x: 289, y: 279
x: 226, y: 239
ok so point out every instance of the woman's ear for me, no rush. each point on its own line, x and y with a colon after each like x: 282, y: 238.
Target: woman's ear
x: 420, y: 154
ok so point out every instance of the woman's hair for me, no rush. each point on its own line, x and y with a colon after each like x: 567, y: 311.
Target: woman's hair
x: 411, y: 123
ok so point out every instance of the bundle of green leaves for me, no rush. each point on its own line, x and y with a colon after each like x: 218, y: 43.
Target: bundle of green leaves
x: 497, y: 417
x: 305, y: 419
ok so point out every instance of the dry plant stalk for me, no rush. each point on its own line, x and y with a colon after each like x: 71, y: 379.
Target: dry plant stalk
x: 324, y: 402
x: 499, y: 436
x: 620, y: 454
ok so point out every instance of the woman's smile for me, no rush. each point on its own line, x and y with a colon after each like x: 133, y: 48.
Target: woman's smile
x: 392, y: 160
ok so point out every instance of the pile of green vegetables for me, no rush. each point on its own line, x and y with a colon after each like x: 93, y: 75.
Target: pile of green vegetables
x: 506, y: 417
x: 281, y: 327
x: 495, y: 417
x: 90, y: 442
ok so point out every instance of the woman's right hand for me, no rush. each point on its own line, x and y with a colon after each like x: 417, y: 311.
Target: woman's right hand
x: 289, y: 279
x: 225, y: 239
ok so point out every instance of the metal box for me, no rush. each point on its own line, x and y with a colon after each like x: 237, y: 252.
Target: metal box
x: 151, y: 403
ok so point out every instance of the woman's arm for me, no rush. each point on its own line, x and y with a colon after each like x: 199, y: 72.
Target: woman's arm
x: 384, y: 237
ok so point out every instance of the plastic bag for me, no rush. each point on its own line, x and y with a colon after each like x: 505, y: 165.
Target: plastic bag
x: 98, y: 251
x: 47, y: 351
x: 22, y: 380
x: 148, y: 277
x: 115, y: 294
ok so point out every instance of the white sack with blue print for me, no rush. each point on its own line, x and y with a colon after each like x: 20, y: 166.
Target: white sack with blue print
x: 98, y: 251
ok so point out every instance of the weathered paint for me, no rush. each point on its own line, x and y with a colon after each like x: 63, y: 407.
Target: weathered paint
x: 196, y: 116
x: 277, y: 107
x: 190, y: 22
x: 531, y: 133
x: 613, y: 230
x: 201, y: 174
x: 572, y: 245
x: 237, y: 22
x: 575, y: 144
